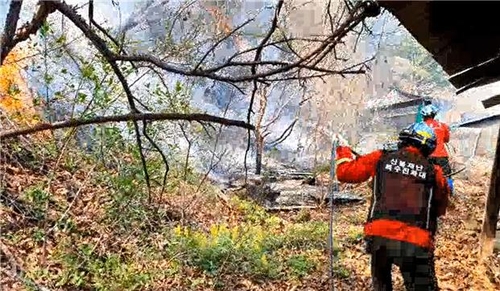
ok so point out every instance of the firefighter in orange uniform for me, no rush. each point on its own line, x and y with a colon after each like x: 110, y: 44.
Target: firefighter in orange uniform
x: 409, y: 194
x: 442, y: 130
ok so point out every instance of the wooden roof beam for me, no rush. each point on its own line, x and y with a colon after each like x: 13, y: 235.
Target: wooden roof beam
x: 404, y: 104
x: 478, y: 83
x: 492, y: 101
x: 483, y: 74
x: 479, y: 122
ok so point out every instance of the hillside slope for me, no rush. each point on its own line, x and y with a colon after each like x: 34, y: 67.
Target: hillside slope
x: 72, y: 224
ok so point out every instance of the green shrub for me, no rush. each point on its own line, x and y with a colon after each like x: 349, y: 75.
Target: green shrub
x: 309, y: 235
x: 300, y: 265
x: 252, y: 212
x: 242, y: 250
x: 251, y: 250
x: 83, y: 268
x: 38, y: 199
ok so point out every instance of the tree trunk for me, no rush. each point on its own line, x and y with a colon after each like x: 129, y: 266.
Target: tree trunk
x: 259, y: 134
x: 259, y: 150
x: 492, y: 206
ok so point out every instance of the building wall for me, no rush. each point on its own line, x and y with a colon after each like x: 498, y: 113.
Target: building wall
x: 401, y: 122
x: 468, y: 142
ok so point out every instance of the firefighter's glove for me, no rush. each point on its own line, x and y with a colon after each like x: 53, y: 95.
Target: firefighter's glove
x: 339, y: 140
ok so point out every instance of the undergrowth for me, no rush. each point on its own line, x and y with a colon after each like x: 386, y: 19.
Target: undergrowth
x: 116, y: 235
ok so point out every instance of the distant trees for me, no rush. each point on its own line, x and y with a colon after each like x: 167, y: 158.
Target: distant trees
x: 113, y: 70
x: 416, y: 66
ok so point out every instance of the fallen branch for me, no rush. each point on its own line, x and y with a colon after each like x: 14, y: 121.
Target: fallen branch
x: 456, y: 172
x: 123, y: 118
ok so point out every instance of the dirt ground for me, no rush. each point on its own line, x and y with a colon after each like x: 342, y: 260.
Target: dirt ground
x: 457, y: 254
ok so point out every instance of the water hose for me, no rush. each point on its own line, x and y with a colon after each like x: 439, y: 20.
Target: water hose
x: 456, y: 172
x: 334, y: 187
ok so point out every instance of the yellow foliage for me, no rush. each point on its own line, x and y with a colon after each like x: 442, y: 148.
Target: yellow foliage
x: 15, y: 98
x: 214, y: 230
x: 235, y: 233
x: 178, y: 231
x: 264, y: 261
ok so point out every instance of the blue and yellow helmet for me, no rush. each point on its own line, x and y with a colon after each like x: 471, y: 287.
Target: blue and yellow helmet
x: 429, y: 110
x: 419, y: 135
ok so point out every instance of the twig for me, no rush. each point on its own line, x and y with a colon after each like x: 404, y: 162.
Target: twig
x: 91, y: 171
x: 221, y: 40
x: 212, y: 164
x: 101, y: 29
x: 286, y: 133
x: 163, y: 158
x: 190, y: 143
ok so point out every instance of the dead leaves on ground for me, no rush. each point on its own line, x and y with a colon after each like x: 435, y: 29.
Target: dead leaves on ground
x: 457, y: 263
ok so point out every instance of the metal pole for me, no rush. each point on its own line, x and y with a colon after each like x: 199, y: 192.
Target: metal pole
x: 333, y: 189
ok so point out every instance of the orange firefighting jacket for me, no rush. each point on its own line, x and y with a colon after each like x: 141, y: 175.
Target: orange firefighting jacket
x: 358, y: 170
x: 442, y: 132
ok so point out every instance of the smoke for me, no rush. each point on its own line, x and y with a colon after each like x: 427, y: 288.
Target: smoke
x: 150, y: 27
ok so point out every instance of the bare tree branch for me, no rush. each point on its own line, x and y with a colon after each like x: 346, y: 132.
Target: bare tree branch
x: 188, y: 152
x: 228, y: 35
x: 6, y: 41
x: 356, y: 15
x: 258, y: 53
x: 214, y: 155
x: 125, y: 117
x: 103, y: 31
x: 163, y: 158
x: 9, y: 41
x: 277, y: 112
x: 286, y: 133
x: 307, y: 62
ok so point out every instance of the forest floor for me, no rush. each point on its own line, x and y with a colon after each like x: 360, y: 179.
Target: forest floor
x: 70, y: 224
x: 458, y: 266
